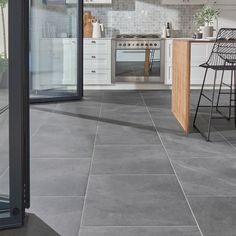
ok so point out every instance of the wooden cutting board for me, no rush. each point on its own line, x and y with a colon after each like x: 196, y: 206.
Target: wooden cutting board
x: 88, y: 27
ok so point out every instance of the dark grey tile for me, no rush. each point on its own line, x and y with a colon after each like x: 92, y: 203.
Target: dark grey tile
x: 133, y: 115
x: 37, y: 119
x: 64, y: 136
x: 4, y: 135
x: 216, y: 216
x: 63, y: 214
x: 4, y: 163
x: 136, y: 200
x: 122, y: 159
x: 195, y: 145
x: 5, y: 183
x: 33, y: 225
x: 123, y: 98
x: 139, y: 231
x: 59, y: 177
x: 126, y: 134
x: 207, y: 176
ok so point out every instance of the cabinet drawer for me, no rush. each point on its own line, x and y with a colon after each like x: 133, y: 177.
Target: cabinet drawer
x: 97, y: 77
x: 93, y: 46
x: 97, y: 61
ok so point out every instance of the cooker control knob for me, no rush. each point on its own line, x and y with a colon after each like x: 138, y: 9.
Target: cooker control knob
x: 137, y: 44
x: 124, y: 44
x: 155, y: 44
x: 129, y: 44
x: 120, y: 44
x: 151, y: 44
x: 142, y: 44
x: 146, y: 44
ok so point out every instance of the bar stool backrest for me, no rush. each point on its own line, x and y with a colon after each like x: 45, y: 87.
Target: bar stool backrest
x: 224, y: 50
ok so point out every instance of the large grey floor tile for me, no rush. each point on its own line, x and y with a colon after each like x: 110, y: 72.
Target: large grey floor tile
x: 33, y: 225
x: 4, y: 163
x: 139, y: 231
x: 59, y: 177
x: 63, y: 136
x: 122, y: 159
x: 216, y: 216
x: 126, y: 134
x: 127, y: 114
x: 63, y: 214
x: 195, y: 145
x: 37, y: 119
x: 123, y: 98
x: 4, y: 135
x: 135, y: 201
x: 207, y: 176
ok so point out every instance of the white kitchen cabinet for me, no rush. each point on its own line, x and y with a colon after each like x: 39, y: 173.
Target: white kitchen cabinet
x: 184, y: 2
x: 97, y: 62
x: 200, y: 53
x: 97, y: 1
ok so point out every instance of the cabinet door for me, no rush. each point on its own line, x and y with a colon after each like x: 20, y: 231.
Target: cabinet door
x: 168, y: 73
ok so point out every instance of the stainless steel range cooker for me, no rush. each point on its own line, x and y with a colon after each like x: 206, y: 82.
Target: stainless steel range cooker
x: 138, y: 58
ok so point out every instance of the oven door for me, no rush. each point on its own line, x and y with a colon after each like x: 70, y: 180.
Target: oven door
x: 138, y: 65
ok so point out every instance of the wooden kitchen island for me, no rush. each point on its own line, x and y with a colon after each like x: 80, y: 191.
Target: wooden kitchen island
x: 181, y: 78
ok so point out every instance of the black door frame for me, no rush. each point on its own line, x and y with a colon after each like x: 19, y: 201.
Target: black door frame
x: 80, y: 90
x: 18, y: 113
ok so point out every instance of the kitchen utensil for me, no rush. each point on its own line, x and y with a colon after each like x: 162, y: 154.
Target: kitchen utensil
x: 88, y: 27
x: 98, y: 29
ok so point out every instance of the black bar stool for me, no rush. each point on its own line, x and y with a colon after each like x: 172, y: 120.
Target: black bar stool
x: 222, y: 58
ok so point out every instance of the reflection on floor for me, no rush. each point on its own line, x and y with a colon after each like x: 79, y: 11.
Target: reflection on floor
x: 118, y: 164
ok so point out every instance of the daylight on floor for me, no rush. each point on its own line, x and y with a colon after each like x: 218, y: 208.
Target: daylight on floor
x: 117, y: 118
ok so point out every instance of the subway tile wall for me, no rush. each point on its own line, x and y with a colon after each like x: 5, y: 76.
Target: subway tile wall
x: 144, y: 16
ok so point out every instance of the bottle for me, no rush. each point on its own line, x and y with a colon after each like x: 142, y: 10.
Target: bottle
x: 168, y: 30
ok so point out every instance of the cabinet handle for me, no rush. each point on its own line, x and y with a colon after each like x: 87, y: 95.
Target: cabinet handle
x: 93, y: 41
x: 93, y: 71
x: 93, y: 57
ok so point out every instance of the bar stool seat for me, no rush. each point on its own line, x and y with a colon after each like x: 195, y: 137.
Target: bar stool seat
x: 219, y: 67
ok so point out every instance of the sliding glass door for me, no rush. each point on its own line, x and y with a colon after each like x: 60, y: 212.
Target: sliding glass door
x: 55, y: 49
x: 14, y: 158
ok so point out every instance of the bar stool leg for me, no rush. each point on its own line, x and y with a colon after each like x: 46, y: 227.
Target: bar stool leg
x: 219, y: 95
x: 231, y: 94
x: 199, y: 100
x: 235, y: 97
x: 212, y: 106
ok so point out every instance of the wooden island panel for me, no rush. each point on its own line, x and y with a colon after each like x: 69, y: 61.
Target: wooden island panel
x: 181, y: 82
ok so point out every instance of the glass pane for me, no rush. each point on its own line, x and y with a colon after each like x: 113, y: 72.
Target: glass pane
x: 53, y: 34
x: 4, y: 114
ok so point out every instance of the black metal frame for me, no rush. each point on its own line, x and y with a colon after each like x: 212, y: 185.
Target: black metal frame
x: 18, y: 113
x: 79, y: 94
x: 222, y: 58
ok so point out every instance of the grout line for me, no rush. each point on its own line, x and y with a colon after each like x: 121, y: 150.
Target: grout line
x: 4, y: 172
x: 227, y: 141
x: 194, y: 217
x: 211, y: 196
x: 100, y: 175
x: 91, y: 164
x: 142, y: 226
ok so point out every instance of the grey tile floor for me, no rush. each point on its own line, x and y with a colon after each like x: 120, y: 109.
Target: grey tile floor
x: 118, y: 164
